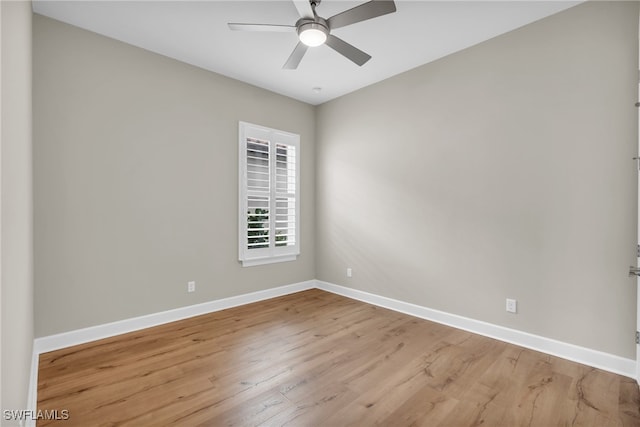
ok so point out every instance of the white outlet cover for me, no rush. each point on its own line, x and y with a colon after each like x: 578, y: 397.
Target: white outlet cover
x: 512, y: 305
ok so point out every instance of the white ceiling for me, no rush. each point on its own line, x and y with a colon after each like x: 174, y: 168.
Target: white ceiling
x: 196, y: 32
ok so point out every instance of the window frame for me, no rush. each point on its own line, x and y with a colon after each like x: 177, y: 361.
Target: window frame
x: 274, y: 253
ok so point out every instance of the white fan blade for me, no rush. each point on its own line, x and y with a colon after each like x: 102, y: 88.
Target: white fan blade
x: 347, y: 50
x: 369, y: 10
x: 304, y: 8
x: 261, y: 27
x: 296, y: 56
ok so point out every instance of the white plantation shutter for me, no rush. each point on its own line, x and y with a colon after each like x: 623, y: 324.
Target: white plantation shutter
x: 285, y: 195
x: 269, y: 199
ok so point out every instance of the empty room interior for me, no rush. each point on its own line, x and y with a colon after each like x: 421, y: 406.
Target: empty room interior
x: 429, y: 216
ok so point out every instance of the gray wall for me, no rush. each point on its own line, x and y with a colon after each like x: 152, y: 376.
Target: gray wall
x: 16, y: 229
x: 502, y: 171
x: 136, y: 181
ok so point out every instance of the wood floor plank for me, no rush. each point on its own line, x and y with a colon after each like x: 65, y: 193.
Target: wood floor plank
x: 629, y: 403
x: 315, y: 358
x: 426, y: 407
x: 312, y: 409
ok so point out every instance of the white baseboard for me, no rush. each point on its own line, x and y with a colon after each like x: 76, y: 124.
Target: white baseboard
x: 32, y: 397
x: 93, y: 333
x: 586, y: 356
x: 595, y: 358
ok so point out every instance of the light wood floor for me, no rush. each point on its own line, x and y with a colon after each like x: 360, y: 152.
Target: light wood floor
x: 318, y: 359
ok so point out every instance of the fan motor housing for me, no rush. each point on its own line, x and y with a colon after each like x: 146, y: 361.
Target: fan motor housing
x: 312, y: 32
x: 316, y: 24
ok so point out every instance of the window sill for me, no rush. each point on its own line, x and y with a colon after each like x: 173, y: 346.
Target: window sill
x: 268, y: 260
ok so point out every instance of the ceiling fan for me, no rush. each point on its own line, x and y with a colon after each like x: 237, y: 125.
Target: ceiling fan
x: 314, y: 30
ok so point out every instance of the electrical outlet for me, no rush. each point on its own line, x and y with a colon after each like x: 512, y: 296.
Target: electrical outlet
x: 191, y: 286
x: 512, y: 305
x: 349, y: 272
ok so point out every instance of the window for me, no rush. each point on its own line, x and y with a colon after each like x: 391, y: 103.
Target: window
x: 269, y: 195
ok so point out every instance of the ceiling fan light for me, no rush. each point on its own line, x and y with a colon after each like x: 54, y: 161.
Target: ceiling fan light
x: 312, y: 34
